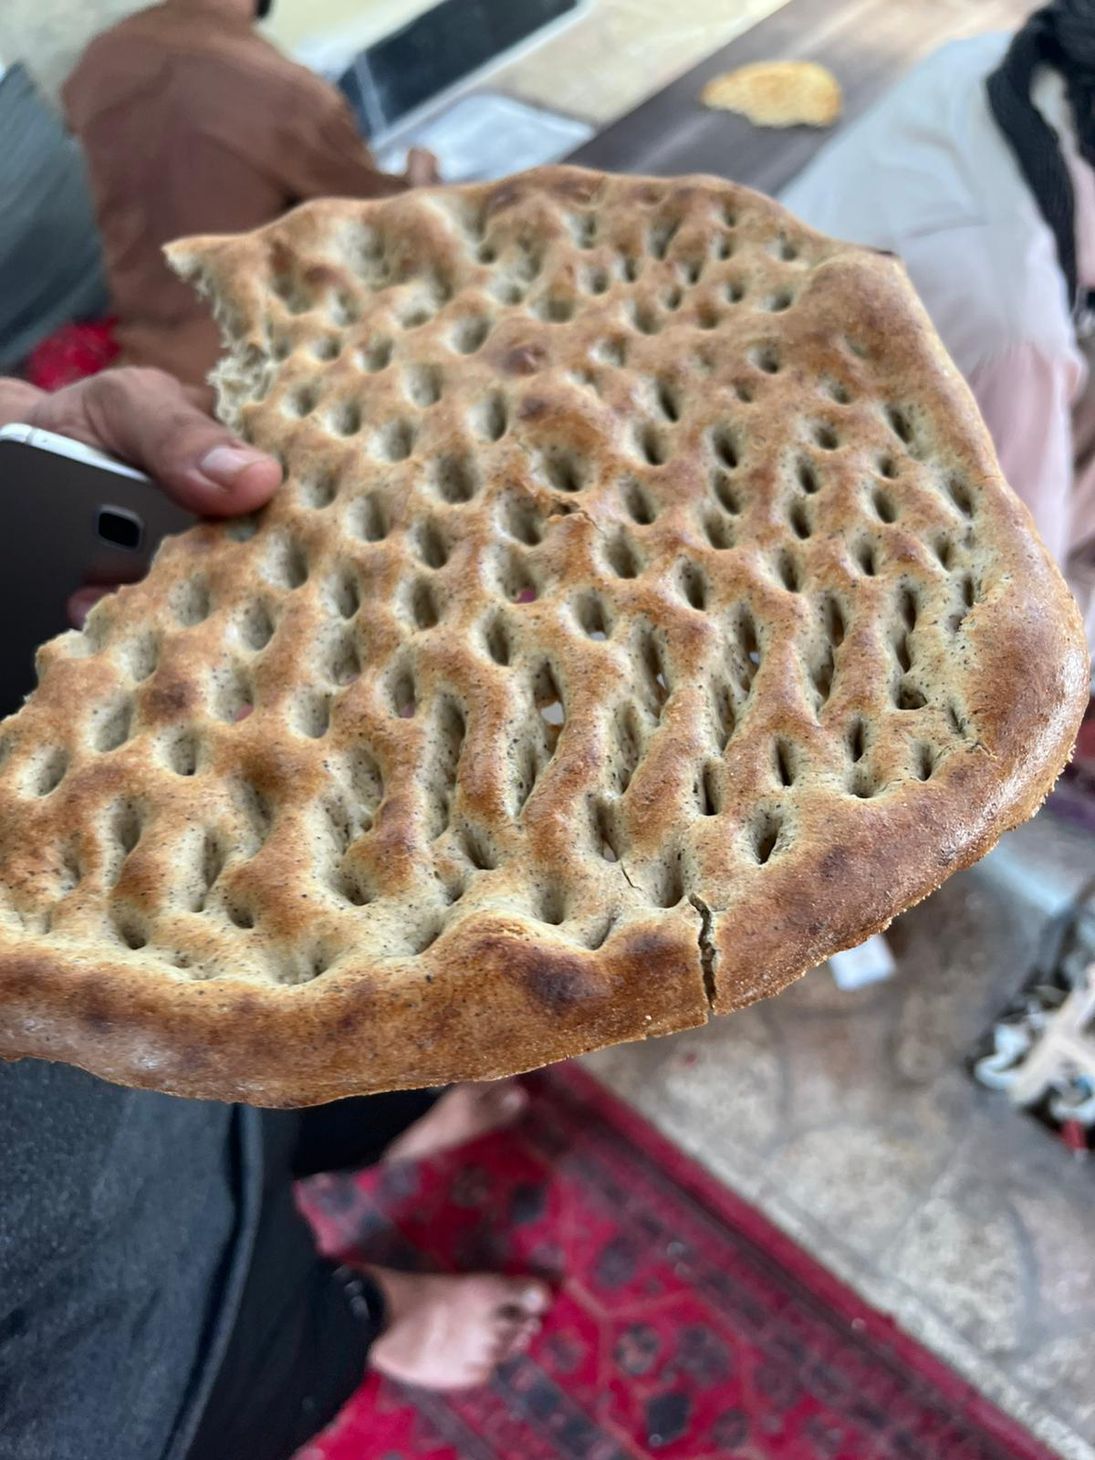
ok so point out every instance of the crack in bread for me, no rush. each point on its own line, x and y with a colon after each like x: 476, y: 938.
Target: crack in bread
x: 643, y: 619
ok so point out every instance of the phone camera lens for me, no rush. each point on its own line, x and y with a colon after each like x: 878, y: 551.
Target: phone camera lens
x: 123, y: 529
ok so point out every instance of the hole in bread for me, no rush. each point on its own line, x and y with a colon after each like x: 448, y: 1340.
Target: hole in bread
x: 490, y: 417
x: 959, y: 494
x: 130, y: 929
x: 564, y: 469
x: 426, y: 934
x: 807, y: 477
x: 344, y: 658
x: 496, y: 637
x: 707, y: 316
x: 255, y: 625
x: 821, y: 668
x: 825, y: 436
x: 590, y: 612
x: 232, y: 693
x: 211, y: 858
x: 672, y: 297
x: 125, y: 827
x: 765, y: 836
x: 455, y: 478
x: 318, y: 489
x: 884, y: 505
x: 606, y: 836
x: 725, y: 448
x: 447, y: 746
x: 286, y: 564
x: 622, y: 557
x: 522, y: 521
x: 653, y: 444
x: 529, y: 760
x: 908, y: 697
x: 724, y: 244
x: 725, y: 492
x: 903, y: 652
x: 660, y: 235
x: 779, y: 301
x: 907, y: 607
x: 111, y: 724
x: 923, y: 761
x: 344, y: 419
x: 141, y: 655
x: 344, y: 591
x: 47, y: 771
x: 554, y: 309
x: 190, y: 601
x: 611, y: 352
x: 422, y: 384
x: 725, y: 710
x: 863, y: 783
x: 837, y: 391
x: 856, y: 739
x: 515, y: 577
x: 242, y: 529
x: 469, y: 334
x: 595, y: 279
x: 548, y: 699
x: 638, y: 502
x: 787, y: 570
x: 944, y: 551
x: 667, y: 883
x: 833, y: 619
x: 394, y: 441
x: 799, y: 518
x: 424, y: 609
x: 582, y: 228
x: 652, y: 658
x: 865, y: 556
x: 785, y: 763
x: 708, y: 790
x: 766, y: 358
x: 644, y: 316
x: 887, y: 467
x: 431, y: 544
x: 402, y: 694
x: 326, y: 347
x: 552, y: 905
x: 258, y: 814
x: 691, y: 269
x: 351, y: 884
x: 627, y: 266
x: 377, y: 354
x: 311, y: 712
x: 181, y: 751
x: 367, y: 518
x: 301, y: 401
x: 899, y: 424
x: 668, y: 399
x: 627, y: 746
x: 239, y: 915
x: 477, y: 849
x: 719, y: 532
x: 693, y: 583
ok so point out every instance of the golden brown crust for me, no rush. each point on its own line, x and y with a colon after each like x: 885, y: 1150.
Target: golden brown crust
x: 296, y: 817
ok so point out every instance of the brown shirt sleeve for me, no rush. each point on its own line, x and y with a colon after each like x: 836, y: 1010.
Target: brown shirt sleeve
x: 322, y: 153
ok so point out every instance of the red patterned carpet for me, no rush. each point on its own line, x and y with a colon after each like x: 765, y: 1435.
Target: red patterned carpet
x: 686, y: 1327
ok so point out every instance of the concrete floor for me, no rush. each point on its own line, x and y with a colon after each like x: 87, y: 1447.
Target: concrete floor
x: 850, y: 1120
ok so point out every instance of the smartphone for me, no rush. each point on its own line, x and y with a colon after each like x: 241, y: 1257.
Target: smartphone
x: 71, y: 516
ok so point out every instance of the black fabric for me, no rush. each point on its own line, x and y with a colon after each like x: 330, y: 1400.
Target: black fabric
x: 123, y: 1240
x: 1061, y: 35
x: 304, y: 1326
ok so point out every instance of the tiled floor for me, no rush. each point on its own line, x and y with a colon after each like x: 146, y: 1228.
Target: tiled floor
x: 850, y: 1120
x: 621, y: 51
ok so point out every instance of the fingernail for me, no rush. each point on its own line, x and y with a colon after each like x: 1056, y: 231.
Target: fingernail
x: 512, y: 1100
x: 223, y: 464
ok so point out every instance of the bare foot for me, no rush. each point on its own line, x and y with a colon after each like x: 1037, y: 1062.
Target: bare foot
x: 461, y: 1114
x: 453, y: 1332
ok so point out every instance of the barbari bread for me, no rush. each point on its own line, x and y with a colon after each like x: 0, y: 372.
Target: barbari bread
x: 643, y: 618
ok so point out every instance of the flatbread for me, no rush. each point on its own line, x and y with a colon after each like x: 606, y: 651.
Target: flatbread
x: 778, y: 94
x: 643, y: 618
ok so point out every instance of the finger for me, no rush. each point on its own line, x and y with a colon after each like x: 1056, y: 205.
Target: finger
x: 145, y: 417
x: 82, y: 602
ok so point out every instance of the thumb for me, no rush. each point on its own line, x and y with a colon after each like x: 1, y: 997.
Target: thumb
x: 145, y: 418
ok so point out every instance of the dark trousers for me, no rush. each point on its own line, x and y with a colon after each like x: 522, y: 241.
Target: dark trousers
x: 298, y: 1348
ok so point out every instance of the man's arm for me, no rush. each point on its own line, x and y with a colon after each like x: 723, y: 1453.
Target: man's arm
x: 322, y: 153
x: 1026, y: 400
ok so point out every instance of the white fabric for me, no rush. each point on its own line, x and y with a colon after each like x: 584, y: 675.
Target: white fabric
x: 928, y: 174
